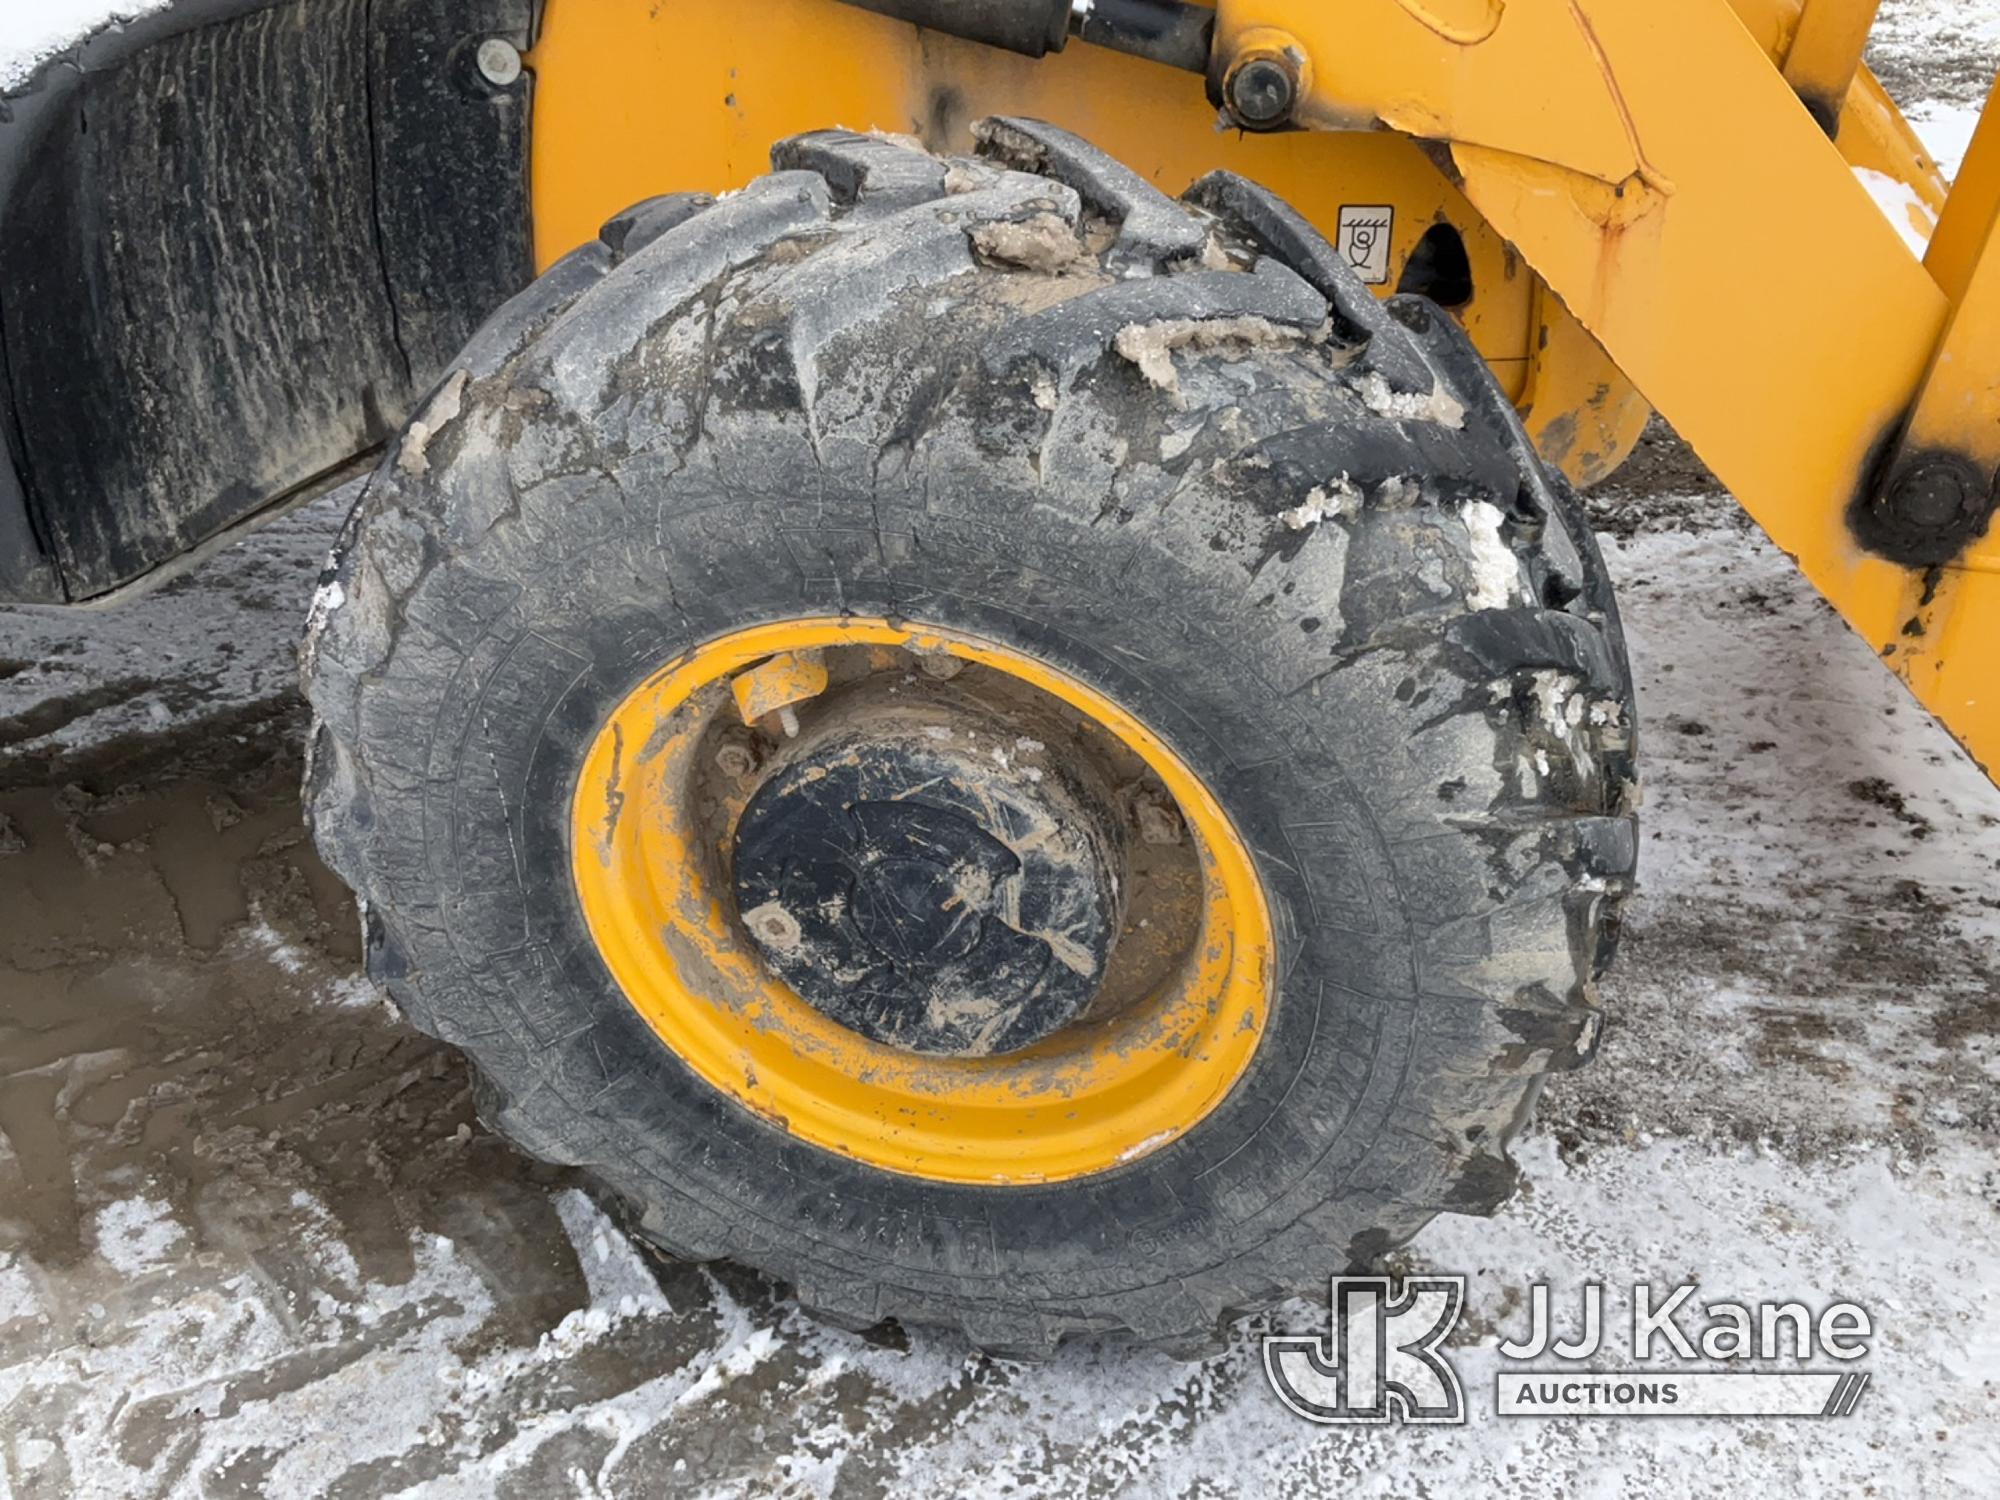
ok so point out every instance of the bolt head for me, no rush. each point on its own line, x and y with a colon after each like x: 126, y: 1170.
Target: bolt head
x: 1929, y: 509
x: 1262, y: 92
x: 1933, y: 495
x: 499, y: 62
x: 736, y: 760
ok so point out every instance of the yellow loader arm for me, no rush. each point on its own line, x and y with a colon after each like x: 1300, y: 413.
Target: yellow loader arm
x: 1658, y: 171
x: 1678, y: 179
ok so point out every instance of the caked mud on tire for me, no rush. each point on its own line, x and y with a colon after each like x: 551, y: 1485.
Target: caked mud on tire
x: 1172, y: 448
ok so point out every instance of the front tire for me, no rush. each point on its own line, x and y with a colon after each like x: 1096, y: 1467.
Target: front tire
x: 1169, y: 451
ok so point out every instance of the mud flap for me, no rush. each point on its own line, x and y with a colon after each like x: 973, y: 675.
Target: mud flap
x: 237, y: 241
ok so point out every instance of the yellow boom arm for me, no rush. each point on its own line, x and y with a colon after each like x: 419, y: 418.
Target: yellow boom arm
x: 1661, y: 174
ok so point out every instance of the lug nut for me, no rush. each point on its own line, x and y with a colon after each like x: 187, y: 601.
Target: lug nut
x: 735, y: 759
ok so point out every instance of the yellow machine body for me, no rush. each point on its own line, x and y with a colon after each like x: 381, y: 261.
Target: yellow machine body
x: 1651, y: 207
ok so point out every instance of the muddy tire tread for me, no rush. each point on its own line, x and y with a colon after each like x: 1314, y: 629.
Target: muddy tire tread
x: 1018, y: 382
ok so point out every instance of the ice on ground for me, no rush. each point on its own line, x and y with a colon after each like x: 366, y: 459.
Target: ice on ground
x: 1946, y: 131
x: 1936, y: 58
x: 137, y: 1234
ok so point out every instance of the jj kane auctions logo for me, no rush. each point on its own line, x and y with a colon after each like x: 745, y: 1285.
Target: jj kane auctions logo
x: 1382, y: 1357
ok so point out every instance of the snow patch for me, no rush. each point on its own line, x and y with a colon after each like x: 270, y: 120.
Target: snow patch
x: 1339, y: 496
x: 1440, y: 406
x: 1946, y: 131
x: 35, y: 30
x: 137, y: 1234
x: 1558, y: 697
x: 1496, y: 572
x: 17, y: 1292
x: 326, y: 599
x: 614, y: 1267
x: 1907, y: 214
x: 733, y: 1365
x: 280, y: 949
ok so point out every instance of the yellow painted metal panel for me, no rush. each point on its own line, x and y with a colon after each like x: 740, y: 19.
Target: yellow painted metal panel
x: 1947, y: 658
x: 1958, y: 407
x: 1874, y: 134
x: 1710, y: 236
x: 1580, y: 420
x: 1965, y: 221
x: 1825, y: 51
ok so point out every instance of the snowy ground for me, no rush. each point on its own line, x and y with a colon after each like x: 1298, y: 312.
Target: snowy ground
x: 1936, y: 58
x: 34, y: 29
x: 251, y: 1241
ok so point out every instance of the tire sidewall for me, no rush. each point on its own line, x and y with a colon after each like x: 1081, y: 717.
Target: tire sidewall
x: 1308, y: 1128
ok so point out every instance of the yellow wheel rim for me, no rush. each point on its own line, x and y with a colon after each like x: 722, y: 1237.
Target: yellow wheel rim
x: 1094, y: 1096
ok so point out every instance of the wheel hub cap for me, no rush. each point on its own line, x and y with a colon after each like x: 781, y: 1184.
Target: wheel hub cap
x: 932, y: 881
